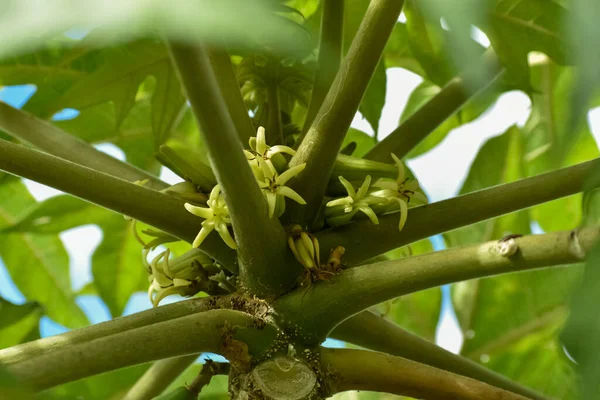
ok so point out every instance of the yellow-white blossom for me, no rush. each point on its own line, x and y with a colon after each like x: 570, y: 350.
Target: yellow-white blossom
x: 353, y: 203
x: 402, y: 190
x: 260, y: 150
x: 216, y: 217
x: 274, y: 189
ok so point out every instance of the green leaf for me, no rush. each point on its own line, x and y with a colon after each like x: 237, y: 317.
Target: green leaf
x: 108, y: 386
x: 117, y: 80
x: 584, y: 35
x: 363, y: 141
x: 134, y: 136
x: 209, y: 21
x: 117, y: 265
x: 374, y: 99
x: 11, y: 388
x: 517, y: 27
x: 397, y: 52
x: 38, y: 264
x: 581, y: 334
x: 510, y: 322
x: 500, y: 160
x: 443, y: 53
x: 58, y: 214
x: 425, y: 40
x: 44, y: 66
x: 305, y: 7
x: 551, y: 144
x: 216, y: 390
x: 20, y: 323
x: 472, y: 110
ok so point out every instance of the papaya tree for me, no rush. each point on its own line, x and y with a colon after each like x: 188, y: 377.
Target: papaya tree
x: 288, y: 227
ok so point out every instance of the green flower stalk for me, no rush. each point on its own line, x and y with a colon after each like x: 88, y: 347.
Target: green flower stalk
x: 216, y: 217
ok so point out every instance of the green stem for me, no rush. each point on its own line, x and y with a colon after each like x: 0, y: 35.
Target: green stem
x: 376, y: 333
x: 274, y: 128
x: 351, y: 369
x: 160, y: 375
x: 330, y: 55
x: 55, y: 141
x: 221, y: 64
x: 112, y: 327
x: 324, y: 138
x: 363, y: 240
x: 157, y: 209
x: 177, y: 337
x: 426, y: 119
x: 318, y: 310
x: 266, y: 266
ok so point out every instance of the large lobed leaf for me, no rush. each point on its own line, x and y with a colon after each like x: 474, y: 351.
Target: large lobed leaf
x: 38, y: 264
x: 28, y: 27
x: 19, y: 323
x: 511, y: 322
x: 517, y: 27
x: 117, y: 262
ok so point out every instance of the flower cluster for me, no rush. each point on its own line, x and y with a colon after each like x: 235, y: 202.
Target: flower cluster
x: 269, y: 167
x: 186, y: 275
x: 216, y: 217
x: 384, y: 196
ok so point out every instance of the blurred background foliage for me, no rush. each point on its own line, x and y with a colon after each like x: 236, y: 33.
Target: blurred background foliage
x: 119, y: 79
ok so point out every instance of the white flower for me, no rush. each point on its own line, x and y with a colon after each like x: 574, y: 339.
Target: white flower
x: 401, y: 190
x: 353, y: 203
x: 216, y: 217
x: 261, y: 150
x: 274, y: 188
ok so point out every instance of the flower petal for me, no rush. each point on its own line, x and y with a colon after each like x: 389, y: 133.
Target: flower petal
x: 401, y: 174
x: 347, y: 186
x: 202, y: 235
x: 342, y: 201
x: 288, y: 192
x: 271, y: 202
x: 403, y: 213
x: 223, y: 231
x: 364, y: 187
x: 386, y: 184
x: 370, y: 213
x: 261, y: 141
x: 289, y: 174
x: 267, y: 169
x: 202, y: 212
x: 280, y: 149
x: 420, y: 197
x: 214, y: 193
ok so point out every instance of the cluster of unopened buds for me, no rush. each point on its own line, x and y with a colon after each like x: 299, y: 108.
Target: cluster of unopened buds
x: 305, y: 248
x: 270, y: 170
x: 383, y: 196
x: 185, y: 275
